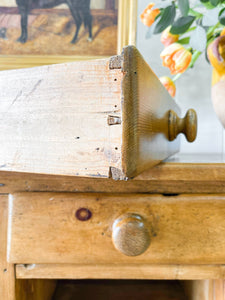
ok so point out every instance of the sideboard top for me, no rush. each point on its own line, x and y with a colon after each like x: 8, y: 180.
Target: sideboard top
x: 181, y: 174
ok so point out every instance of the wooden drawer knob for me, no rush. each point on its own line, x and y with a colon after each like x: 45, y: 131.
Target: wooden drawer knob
x: 187, y: 125
x: 130, y: 234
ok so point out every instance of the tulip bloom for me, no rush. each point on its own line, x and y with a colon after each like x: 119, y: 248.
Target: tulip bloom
x: 176, y: 58
x: 148, y: 16
x: 169, y: 85
x: 168, y: 38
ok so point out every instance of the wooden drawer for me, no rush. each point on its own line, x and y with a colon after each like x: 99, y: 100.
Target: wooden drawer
x: 81, y: 228
x: 101, y: 118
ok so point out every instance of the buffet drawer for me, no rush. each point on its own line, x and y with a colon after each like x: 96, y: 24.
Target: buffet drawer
x: 117, y: 228
x: 108, y: 118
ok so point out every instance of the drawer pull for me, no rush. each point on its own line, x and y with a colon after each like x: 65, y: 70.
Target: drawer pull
x: 130, y: 234
x: 187, y: 125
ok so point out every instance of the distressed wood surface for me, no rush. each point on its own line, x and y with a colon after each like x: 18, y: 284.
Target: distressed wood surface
x: 145, y: 114
x: 7, y: 274
x: 164, y: 178
x: 120, y: 271
x: 53, y: 119
x: 184, y: 229
x: 102, y: 118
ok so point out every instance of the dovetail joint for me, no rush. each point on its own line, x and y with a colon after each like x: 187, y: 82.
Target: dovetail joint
x: 115, y: 62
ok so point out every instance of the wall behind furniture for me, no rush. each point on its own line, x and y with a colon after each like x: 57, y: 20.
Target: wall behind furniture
x: 193, y: 91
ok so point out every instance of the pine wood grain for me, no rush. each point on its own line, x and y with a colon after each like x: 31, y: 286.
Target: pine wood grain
x: 165, y: 178
x: 145, y: 114
x: 184, y: 229
x: 35, y: 289
x: 7, y: 274
x: 120, y: 271
x: 54, y: 119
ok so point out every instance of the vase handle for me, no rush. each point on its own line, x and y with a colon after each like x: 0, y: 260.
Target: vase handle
x: 187, y: 125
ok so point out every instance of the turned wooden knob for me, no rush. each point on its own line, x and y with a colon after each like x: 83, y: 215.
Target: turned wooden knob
x: 130, y: 234
x: 187, y: 125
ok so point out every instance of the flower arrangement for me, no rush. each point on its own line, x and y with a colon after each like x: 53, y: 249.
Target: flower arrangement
x: 188, y: 29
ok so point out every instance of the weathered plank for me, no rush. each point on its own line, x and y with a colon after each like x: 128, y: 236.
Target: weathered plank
x: 53, y: 119
x: 165, y: 178
x: 7, y: 274
x: 145, y: 113
x: 102, y: 118
x: 183, y: 229
x: 120, y: 271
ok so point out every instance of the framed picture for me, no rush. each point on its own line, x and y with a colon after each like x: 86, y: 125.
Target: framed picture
x: 38, y: 32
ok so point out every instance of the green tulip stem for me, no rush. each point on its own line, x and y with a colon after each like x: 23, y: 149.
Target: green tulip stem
x: 176, y: 77
x: 195, y: 56
x: 211, y: 30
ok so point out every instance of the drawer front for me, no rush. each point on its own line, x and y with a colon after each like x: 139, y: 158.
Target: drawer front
x: 102, y: 228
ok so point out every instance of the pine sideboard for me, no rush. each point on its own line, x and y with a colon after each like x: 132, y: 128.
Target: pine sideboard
x: 87, y: 192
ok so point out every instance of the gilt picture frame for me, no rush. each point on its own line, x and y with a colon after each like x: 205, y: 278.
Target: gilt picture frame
x: 126, y: 14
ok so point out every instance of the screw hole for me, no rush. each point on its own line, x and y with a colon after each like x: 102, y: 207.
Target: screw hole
x: 77, y: 137
x: 115, y: 105
x: 116, y: 148
x: 115, y: 79
x: 5, y: 270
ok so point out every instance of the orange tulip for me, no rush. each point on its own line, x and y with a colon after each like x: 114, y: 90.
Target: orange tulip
x: 176, y: 58
x: 169, y: 85
x: 168, y: 38
x: 148, y: 16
